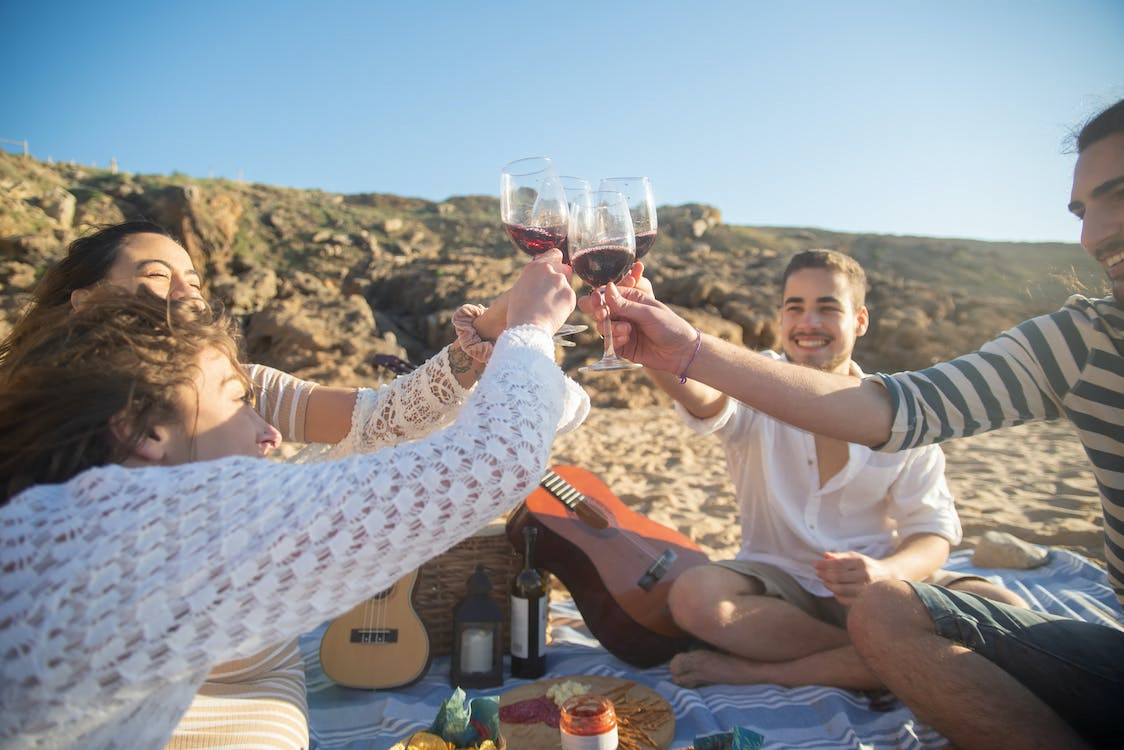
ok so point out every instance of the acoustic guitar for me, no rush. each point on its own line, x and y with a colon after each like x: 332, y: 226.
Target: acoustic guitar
x: 617, y: 564
x: 381, y: 643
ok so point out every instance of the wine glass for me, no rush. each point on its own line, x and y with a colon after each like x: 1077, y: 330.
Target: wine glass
x: 602, y: 249
x: 535, y: 212
x: 641, y: 204
x: 533, y: 205
x: 575, y: 188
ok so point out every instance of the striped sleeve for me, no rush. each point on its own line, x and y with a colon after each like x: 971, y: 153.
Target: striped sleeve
x: 257, y: 702
x: 281, y: 400
x: 1067, y: 364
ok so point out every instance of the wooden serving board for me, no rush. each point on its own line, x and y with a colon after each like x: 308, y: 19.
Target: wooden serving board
x: 539, y: 736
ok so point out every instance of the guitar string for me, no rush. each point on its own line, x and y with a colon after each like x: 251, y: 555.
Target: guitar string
x: 558, y: 486
x: 375, y: 616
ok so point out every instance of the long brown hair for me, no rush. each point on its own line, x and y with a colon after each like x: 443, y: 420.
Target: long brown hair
x: 85, y: 265
x: 122, y: 358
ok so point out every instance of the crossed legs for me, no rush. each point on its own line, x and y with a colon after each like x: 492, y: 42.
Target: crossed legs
x: 964, y: 696
x: 762, y: 639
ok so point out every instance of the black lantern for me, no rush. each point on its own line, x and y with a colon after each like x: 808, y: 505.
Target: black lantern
x: 477, y: 660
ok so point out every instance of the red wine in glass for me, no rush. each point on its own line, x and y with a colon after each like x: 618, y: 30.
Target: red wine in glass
x: 536, y: 240
x: 599, y: 265
x: 644, y: 241
x: 641, y: 205
x: 603, y: 246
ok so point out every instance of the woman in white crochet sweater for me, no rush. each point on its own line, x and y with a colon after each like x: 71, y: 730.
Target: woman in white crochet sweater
x: 123, y: 586
x: 259, y: 698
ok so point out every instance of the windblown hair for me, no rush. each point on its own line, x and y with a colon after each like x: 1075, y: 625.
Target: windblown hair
x: 834, y: 261
x: 123, y: 360
x: 86, y: 264
x: 1107, y: 122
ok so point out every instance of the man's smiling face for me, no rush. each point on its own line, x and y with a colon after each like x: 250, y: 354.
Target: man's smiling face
x: 1097, y: 199
x: 819, y: 321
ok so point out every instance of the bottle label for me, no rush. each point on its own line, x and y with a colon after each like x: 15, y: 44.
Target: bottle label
x: 541, y: 629
x: 608, y: 740
x: 519, y: 627
x: 523, y: 644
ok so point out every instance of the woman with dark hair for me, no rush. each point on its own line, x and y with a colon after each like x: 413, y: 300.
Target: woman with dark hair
x: 143, y: 254
x: 262, y: 695
x: 142, y: 542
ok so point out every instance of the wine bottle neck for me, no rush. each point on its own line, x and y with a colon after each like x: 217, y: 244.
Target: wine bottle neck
x: 529, y: 547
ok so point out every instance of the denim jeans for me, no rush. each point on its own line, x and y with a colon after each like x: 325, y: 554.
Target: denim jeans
x: 1075, y: 667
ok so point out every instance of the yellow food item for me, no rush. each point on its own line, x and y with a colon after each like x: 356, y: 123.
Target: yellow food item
x: 427, y: 741
x: 560, y: 692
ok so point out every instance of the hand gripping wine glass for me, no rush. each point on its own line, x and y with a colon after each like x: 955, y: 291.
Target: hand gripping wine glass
x: 534, y: 211
x: 642, y: 206
x: 602, y: 249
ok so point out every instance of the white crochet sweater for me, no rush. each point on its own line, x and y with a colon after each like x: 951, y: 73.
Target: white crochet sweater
x: 122, y: 587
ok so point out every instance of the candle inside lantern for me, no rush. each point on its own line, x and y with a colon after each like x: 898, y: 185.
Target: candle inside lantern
x: 476, y: 650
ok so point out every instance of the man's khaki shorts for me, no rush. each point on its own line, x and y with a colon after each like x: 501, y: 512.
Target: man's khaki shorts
x: 781, y: 585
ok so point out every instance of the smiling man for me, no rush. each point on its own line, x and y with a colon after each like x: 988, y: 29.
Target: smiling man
x: 821, y: 519
x: 983, y: 674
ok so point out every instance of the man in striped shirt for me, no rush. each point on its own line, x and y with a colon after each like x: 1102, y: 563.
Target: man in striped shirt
x: 983, y: 674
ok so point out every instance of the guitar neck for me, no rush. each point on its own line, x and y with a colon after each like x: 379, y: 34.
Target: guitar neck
x: 574, y: 500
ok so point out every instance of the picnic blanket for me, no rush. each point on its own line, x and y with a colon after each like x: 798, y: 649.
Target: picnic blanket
x: 808, y: 717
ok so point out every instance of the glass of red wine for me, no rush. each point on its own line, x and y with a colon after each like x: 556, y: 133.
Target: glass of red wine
x: 642, y: 206
x: 535, y: 211
x: 602, y: 250
x: 533, y: 205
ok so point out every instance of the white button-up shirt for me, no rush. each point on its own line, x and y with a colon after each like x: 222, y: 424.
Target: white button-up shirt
x: 788, y: 520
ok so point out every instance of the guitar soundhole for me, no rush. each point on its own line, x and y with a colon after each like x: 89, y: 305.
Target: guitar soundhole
x: 374, y: 635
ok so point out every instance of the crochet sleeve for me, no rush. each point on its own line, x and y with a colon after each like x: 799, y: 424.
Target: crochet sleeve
x: 414, y: 404
x: 124, y: 581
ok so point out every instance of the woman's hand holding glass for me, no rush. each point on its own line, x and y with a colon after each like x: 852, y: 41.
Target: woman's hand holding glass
x: 542, y: 295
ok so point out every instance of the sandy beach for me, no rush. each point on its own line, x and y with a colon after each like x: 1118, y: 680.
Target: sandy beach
x: 1032, y: 481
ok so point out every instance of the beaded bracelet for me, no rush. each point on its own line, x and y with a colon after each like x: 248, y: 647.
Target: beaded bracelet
x: 698, y: 345
x: 469, y: 340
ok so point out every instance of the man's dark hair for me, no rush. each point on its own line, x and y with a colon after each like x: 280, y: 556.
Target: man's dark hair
x: 834, y: 261
x: 1102, y: 125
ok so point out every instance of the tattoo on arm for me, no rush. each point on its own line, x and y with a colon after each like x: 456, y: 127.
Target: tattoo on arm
x: 464, y: 367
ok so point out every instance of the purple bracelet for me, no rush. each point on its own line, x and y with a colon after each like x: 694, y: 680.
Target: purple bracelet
x: 698, y: 345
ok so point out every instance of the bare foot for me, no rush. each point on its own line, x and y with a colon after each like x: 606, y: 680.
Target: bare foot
x: 702, y: 667
x: 837, y: 667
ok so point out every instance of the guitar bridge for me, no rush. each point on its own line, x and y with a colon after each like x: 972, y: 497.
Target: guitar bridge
x: 657, y: 570
x: 374, y: 635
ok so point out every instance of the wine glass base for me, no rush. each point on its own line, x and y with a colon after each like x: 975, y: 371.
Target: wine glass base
x: 608, y: 365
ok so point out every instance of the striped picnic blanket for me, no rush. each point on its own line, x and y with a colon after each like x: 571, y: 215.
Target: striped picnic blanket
x: 812, y: 718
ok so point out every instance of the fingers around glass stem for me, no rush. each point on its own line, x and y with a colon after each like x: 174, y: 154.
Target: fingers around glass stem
x: 609, y: 361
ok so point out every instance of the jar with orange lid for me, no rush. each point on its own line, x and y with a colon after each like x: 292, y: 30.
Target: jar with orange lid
x: 588, y: 722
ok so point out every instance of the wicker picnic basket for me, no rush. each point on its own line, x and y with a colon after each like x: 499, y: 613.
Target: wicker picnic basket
x: 441, y: 583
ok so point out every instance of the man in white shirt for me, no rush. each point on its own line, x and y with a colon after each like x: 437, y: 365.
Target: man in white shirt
x: 821, y: 518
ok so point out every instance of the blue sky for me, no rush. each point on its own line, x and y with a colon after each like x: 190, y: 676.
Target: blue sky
x: 933, y: 118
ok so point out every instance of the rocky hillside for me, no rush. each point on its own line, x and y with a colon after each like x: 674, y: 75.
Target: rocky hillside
x: 323, y: 282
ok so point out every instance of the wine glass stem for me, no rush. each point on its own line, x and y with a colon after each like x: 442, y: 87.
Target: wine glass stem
x: 610, y: 352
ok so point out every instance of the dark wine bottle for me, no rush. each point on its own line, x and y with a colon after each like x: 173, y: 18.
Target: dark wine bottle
x: 528, y: 615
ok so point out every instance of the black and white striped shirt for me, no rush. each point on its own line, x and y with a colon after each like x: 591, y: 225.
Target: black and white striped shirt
x: 1066, y: 364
